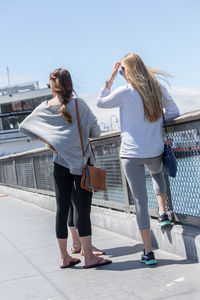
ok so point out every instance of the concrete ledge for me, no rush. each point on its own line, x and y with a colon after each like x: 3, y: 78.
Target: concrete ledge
x: 181, y: 240
x: 43, y: 201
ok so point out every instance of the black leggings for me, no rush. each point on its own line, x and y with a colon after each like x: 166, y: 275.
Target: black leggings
x: 65, y: 182
x: 72, y: 215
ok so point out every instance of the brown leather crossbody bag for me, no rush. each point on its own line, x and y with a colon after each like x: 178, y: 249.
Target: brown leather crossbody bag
x: 93, y: 179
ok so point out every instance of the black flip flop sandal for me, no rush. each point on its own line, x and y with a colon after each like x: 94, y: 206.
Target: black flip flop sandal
x: 72, y: 263
x: 100, y: 262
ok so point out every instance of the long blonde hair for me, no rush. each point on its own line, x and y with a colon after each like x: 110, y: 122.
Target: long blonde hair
x: 143, y: 79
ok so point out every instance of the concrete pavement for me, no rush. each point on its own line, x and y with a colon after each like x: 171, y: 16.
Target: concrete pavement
x: 29, y: 264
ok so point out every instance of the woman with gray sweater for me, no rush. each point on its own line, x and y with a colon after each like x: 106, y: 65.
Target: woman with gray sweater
x: 55, y: 123
x: 141, y: 102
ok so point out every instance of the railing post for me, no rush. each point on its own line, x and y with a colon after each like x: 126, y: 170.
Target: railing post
x: 34, y: 173
x: 3, y: 174
x: 15, y: 171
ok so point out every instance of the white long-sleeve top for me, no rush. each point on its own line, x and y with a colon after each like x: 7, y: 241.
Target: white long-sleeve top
x: 139, y: 137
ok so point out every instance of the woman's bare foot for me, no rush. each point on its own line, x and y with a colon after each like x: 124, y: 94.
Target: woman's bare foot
x: 96, y: 261
x: 75, y: 249
x: 95, y: 251
x: 66, y: 261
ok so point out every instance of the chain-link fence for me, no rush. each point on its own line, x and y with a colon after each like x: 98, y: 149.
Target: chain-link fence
x: 34, y: 171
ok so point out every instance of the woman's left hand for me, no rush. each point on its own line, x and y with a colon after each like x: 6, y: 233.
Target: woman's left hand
x: 114, y: 72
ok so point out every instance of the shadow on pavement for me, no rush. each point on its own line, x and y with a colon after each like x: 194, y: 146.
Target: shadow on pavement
x: 136, y: 264
x: 124, y: 250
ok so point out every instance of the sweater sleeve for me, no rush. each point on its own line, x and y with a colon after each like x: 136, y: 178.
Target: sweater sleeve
x: 28, y: 132
x: 26, y: 128
x: 95, y: 130
x: 108, y: 99
x: 171, y: 110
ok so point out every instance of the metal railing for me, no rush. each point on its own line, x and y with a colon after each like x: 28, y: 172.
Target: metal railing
x: 33, y: 171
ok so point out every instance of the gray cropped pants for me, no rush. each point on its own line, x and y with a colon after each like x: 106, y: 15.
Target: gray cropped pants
x: 134, y: 169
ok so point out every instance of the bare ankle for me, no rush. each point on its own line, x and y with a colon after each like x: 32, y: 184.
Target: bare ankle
x: 147, y: 250
x: 89, y: 257
x: 65, y: 256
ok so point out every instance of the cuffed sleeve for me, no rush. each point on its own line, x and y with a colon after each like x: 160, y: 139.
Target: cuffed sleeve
x: 108, y: 99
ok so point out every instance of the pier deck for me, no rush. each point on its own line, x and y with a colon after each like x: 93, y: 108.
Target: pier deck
x: 29, y: 264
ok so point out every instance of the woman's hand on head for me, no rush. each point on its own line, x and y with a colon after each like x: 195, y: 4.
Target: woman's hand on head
x: 114, y: 71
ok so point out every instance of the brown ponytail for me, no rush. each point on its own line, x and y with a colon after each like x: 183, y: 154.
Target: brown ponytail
x: 61, y: 83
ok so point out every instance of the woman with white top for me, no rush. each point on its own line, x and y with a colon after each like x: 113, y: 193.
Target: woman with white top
x: 141, y: 104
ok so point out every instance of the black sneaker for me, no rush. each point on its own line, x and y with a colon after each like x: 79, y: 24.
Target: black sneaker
x: 148, y: 258
x: 163, y: 220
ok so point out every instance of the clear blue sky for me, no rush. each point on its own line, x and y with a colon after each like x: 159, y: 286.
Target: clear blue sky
x: 87, y: 37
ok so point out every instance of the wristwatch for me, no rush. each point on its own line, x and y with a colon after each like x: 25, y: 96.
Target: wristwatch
x: 108, y: 83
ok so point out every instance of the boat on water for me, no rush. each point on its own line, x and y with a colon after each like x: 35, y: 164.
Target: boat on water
x: 16, y: 103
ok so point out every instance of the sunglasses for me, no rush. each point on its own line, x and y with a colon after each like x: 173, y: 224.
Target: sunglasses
x: 48, y: 85
x: 121, y: 71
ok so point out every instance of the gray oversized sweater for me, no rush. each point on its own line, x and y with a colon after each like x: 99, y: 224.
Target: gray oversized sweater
x: 47, y: 123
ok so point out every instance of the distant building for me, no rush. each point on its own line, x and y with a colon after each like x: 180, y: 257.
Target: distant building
x: 16, y: 103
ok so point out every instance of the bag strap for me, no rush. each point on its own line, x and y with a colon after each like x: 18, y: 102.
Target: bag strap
x: 164, y: 121
x: 92, y: 150
x: 80, y: 133
x: 165, y: 126
x: 79, y: 129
